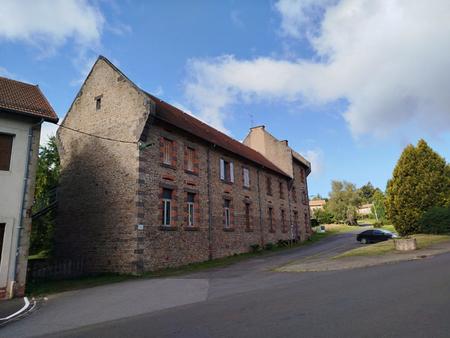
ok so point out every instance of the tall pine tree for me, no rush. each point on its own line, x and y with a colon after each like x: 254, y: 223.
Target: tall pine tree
x: 419, y: 182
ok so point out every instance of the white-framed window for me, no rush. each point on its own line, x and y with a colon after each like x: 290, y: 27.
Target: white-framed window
x: 227, y: 213
x: 166, y: 205
x: 6, y: 142
x: 226, y: 171
x: 167, y: 151
x: 190, y: 209
x: 190, y: 158
x: 246, y: 174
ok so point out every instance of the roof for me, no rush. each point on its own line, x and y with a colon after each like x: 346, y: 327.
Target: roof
x: 317, y: 203
x: 25, y: 99
x: 366, y: 206
x: 174, y: 116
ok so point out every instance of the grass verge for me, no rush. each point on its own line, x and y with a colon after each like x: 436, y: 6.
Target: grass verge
x: 40, y: 288
x: 423, y: 241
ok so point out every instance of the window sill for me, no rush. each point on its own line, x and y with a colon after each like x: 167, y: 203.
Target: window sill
x: 190, y: 228
x: 170, y: 166
x: 227, y: 182
x: 191, y: 172
x: 246, y: 188
x: 167, y: 228
x: 228, y: 229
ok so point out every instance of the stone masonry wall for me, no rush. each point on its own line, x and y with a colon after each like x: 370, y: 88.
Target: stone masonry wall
x: 163, y: 246
x: 97, y: 197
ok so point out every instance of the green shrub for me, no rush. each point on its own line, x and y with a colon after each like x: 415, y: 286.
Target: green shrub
x: 378, y: 224
x: 269, y: 246
x: 435, y: 221
x: 314, y: 222
x: 283, y: 242
x: 323, y: 216
x: 255, y: 247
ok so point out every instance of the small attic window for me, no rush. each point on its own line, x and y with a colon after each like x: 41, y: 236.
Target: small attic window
x: 98, y: 102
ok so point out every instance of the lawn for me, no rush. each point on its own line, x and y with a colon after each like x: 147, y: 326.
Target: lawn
x: 423, y: 241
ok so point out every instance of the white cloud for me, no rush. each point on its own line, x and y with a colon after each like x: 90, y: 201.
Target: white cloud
x: 316, y: 158
x: 388, y: 59
x: 47, y: 24
x: 47, y: 130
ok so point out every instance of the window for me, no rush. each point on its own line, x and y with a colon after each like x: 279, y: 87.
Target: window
x: 247, y: 215
x: 302, y: 175
x: 283, y: 220
x: 226, y: 171
x: 246, y: 176
x: 190, y: 209
x: 271, y: 229
x: 281, y: 190
x: 294, y: 194
x: 269, y: 185
x: 190, y: 159
x: 296, y: 217
x: 167, y: 151
x: 6, y: 142
x: 98, y: 102
x: 166, y: 206
x: 227, y: 213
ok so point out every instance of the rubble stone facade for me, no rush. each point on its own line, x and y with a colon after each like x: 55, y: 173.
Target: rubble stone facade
x: 139, y: 193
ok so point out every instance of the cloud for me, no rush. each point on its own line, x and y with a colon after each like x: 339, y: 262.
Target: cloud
x: 48, y: 24
x: 47, y: 130
x: 315, y: 156
x: 297, y: 16
x: 389, y: 60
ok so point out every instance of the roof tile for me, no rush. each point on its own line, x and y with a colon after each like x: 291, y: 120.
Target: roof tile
x: 24, y: 98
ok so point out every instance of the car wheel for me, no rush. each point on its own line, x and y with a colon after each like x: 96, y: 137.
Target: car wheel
x: 364, y: 241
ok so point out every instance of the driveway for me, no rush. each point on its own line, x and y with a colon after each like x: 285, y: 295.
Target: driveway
x: 74, y: 309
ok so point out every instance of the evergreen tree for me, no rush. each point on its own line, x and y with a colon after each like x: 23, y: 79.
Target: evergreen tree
x: 419, y: 182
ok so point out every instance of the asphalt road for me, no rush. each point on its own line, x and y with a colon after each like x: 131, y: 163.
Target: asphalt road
x: 408, y: 299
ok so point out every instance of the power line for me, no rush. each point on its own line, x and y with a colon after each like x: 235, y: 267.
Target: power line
x: 98, y: 136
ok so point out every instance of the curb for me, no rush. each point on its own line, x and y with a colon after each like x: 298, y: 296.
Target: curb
x: 26, y: 308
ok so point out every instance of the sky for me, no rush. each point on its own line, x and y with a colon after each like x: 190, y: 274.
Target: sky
x: 349, y: 83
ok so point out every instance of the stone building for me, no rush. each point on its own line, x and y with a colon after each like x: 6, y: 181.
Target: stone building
x: 23, y: 108
x: 146, y: 186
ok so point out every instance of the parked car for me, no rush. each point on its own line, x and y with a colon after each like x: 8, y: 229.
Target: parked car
x: 374, y: 236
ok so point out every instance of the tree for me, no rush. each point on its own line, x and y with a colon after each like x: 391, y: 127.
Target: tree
x: 47, y: 177
x: 419, y: 182
x: 323, y: 216
x: 367, y: 192
x: 343, y: 202
x: 378, y: 208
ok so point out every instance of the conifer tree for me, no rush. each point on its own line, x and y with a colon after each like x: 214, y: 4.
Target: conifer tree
x: 419, y: 182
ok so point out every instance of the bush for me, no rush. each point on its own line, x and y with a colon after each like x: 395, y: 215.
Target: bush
x: 283, y: 242
x: 323, y: 216
x: 378, y: 224
x: 435, y: 221
x: 269, y: 246
x: 255, y: 247
x: 314, y: 222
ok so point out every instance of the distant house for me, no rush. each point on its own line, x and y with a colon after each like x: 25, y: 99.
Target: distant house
x: 365, y: 209
x: 316, y: 205
x: 23, y: 108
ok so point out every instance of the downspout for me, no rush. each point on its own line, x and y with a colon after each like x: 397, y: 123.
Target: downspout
x: 290, y: 183
x: 260, y: 211
x: 24, y: 192
x: 210, y: 255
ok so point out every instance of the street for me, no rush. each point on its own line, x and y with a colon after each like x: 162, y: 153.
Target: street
x: 247, y: 300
